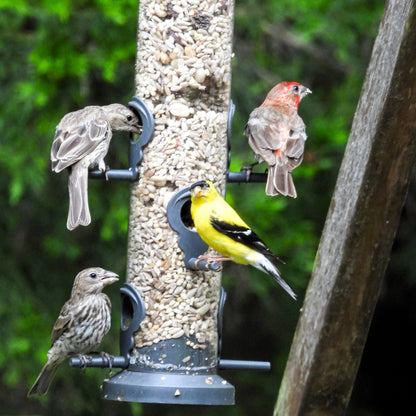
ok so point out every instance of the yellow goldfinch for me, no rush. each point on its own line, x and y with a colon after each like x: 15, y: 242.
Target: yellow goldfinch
x: 222, y: 229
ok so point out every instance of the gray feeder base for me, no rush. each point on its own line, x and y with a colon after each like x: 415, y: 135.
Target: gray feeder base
x: 152, y: 387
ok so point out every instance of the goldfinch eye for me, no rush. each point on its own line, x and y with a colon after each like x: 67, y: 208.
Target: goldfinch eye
x: 93, y: 275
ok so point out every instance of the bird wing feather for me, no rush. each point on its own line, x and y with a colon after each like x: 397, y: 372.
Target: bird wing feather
x: 296, y: 145
x: 62, y: 323
x: 266, y: 132
x: 77, y: 135
x: 243, y: 235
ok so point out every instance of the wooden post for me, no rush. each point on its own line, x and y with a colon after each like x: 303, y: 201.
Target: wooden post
x: 184, y: 76
x: 360, y: 227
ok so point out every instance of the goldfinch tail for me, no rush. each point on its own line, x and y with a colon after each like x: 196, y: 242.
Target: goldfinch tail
x: 265, y: 265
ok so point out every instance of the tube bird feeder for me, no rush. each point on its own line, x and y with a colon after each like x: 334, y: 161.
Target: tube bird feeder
x: 171, y: 324
x: 184, y: 77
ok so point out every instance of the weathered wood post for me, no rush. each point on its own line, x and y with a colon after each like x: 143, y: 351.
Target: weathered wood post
x: 360, y: 227
x: 183, y: 75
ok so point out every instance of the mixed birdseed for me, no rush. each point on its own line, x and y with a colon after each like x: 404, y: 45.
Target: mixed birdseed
x: 183, y: 75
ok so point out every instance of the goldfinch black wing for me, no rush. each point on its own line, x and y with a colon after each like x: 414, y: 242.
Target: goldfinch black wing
x: 243, y: 235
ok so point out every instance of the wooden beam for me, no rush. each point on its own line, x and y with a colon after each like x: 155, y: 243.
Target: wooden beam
x: 361, y: 224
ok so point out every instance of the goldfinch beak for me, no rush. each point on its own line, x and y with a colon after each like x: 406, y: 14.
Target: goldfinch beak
x: 197, y: 191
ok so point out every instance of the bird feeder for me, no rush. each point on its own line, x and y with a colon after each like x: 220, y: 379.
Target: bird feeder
x: 172, y: 306
x: 183, y: 75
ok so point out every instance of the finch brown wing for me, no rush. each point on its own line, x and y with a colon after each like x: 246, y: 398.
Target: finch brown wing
x: 266, y: 133
x: 61, y: 324
x: 295, y: 147
x: 77, y: 136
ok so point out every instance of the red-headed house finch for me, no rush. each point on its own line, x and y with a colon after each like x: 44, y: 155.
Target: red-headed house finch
x: 83, y: 322
x: 81, y: 141
x: 277, y: 135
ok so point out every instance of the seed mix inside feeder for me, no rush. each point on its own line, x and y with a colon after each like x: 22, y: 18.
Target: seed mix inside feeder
x: 184, y: 77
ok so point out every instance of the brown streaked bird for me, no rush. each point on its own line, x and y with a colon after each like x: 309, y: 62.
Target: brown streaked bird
x: 277, y: 135
x: 81, y: 141
x: 83, y: 322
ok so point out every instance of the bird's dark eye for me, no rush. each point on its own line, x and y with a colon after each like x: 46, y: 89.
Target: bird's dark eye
x: 129, y: 118
x: 93, y: 275
x: 295, y: 88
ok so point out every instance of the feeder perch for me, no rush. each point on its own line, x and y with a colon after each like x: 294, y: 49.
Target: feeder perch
x: 135, y: 146
x: 240, y: 177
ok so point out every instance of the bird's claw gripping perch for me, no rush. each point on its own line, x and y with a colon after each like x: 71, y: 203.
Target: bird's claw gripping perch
x: 107, y: 358
x: 107, y: 168
x: 247, y: 169
x: 85, y: 360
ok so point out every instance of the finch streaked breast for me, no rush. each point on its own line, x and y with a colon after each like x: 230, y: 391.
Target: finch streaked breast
x: 83, y: 322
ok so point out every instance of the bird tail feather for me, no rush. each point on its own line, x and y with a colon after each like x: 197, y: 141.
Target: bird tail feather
x: 42, y: 383
x: 267, y: 266
x: 279, y: 181
x: 79, y: 211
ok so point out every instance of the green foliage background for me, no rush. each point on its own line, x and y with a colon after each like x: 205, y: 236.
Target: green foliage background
x: 58, y: 56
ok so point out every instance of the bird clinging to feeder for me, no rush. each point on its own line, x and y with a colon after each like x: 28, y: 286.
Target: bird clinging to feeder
x: 277, y: 135
x: 219, y: 225
x: 81, y: 141
x: 83, y: 322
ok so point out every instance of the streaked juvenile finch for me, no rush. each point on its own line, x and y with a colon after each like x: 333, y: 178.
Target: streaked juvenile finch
x: 83, y: 322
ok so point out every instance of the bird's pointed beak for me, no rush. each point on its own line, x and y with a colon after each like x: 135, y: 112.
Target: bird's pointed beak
x: 196, y: 191
x: 197, y: 187
x: 109, y: 278
x: 305, y: 91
